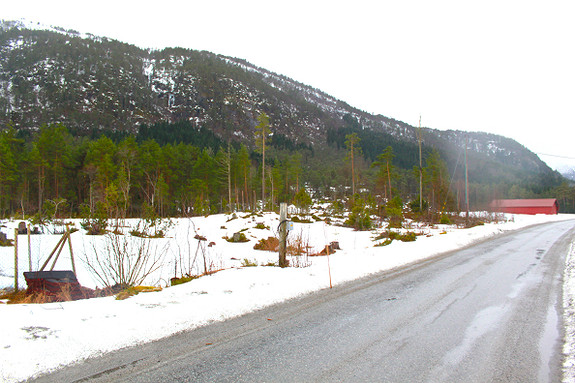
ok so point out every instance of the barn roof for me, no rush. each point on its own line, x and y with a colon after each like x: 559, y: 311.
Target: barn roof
x: 542, y: 202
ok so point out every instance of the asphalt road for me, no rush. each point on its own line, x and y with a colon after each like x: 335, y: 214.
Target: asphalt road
x: 487, y: 313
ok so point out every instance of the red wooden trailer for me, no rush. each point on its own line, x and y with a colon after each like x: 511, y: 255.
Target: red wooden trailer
x: 526, y: 206
x: 56, y: 283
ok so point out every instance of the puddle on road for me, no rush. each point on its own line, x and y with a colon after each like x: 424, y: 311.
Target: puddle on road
x: 548, y: 342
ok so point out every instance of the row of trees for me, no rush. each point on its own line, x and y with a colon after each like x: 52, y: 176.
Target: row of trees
x: 54, y: 171
x: 128, y: 177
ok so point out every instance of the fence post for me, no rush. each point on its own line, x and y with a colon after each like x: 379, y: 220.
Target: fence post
x: 29, y: 250
x: 15, y: 259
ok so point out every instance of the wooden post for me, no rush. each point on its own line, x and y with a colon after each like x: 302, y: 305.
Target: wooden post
x: 29, y: 250
x: 15, y: 259
x: 71, y: 251
x: 328, y: 250
x: 283, y: 235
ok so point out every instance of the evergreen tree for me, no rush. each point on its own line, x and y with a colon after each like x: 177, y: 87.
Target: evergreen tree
x: 127, y: 154
x: 354, y: 150
x: 9, y: 172
x: 101, y: 167
x: 262, y: 134
x: 386, y: 170
x: 243, y: 166
x: 54, y: 147
x: 302, y: 200
x: 436, y: 178
x: 224, y: 162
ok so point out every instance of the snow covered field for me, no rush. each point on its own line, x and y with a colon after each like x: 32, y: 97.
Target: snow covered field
x: 36, y: 338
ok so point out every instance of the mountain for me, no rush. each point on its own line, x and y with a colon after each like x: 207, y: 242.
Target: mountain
x: 96, y: 85
x: 569, y: 174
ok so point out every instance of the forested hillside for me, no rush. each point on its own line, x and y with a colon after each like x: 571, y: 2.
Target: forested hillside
x: 87, y: 122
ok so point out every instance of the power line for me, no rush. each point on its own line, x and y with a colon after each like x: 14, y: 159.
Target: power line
x: 554, y: 155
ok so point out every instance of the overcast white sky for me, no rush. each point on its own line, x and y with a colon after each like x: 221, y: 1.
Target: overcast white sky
x: 505, y: 67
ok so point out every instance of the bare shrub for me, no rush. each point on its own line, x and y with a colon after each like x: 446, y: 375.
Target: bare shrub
x: 65, y: 293
x: 214, y: 264
x: 124, y: 260
x: 298, y: 249
x: 194, y: 258
x: 184, y: 254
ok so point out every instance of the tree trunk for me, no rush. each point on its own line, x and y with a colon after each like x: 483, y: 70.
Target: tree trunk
x: 352, y: 171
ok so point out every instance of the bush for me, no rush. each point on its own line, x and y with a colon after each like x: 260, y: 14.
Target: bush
x: 237, y: 238
x: 135, y: 290
x: 182, y: 280
x: 267, y: 244
x: 394, y: 212
x: 360, y: 216
x: 384, y: 243
x: 95, y: 222
x: 336, y: 208
x: 389, y: 236
x: 302, y: 200
x: 145, y: 234
x: 247, y: 263
x: 297, y: 219
x: 414, y: 205
x: 5, y: 242
x: 408, y: 237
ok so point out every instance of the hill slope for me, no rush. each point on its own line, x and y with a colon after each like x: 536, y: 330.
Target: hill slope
x: 94, y: 84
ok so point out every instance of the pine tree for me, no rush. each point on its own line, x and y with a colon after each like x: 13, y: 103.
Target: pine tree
x: 243, y: 165
x: 436, y: 177
x: 54, y: 147
x: 352, y: 145
x: 262, y: 134
x: 100, y: 164
x: 8, y: 166
x: 384, y: 163
x: 224, y: 161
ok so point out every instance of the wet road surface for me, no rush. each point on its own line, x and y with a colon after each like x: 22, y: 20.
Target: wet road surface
x: 487, y: 313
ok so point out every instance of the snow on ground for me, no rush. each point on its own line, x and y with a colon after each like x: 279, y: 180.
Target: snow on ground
x: 569, y: 316
x: 35, y: 338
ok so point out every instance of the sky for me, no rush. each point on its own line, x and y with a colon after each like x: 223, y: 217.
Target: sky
x: 497, y: 66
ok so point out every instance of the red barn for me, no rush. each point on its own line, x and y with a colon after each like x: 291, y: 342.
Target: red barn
x: 526, y: 206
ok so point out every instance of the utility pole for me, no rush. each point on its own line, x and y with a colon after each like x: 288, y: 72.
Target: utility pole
x: 420, y: 167
x: 283, y: 235
x: 466, y: 181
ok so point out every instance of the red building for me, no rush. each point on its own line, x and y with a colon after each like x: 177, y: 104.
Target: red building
x: 525, y: 206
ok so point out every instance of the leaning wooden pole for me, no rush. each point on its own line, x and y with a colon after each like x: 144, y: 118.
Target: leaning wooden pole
x: 52, y: 253
x: 62, y: 243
